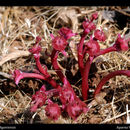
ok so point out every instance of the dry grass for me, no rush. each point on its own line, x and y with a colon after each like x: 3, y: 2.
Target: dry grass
x: 19, y: 27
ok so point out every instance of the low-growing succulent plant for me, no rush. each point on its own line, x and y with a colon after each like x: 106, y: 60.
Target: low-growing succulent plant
x: 70, y: 102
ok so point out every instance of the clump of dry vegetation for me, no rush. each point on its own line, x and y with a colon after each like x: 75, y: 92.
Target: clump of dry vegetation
x: 19, y: 26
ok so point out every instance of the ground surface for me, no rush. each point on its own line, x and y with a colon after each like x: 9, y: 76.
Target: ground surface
x: 18, y: 28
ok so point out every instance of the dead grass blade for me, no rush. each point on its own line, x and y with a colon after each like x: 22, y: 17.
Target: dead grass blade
x: 115, y: 117
x: 14, y: 55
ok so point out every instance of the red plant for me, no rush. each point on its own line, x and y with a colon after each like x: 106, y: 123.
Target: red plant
x: 52, y: 110
x: 88, y: 26
x: 121, y: 44
x: 99, y: 35
x: 65, y: 93
x: 35, y: 50
x: 66, y: 33
x: 93, y: 49
x: 59, y: 43
x: 38, y: 99
x: 75, y: 108
x: 70, y: 102
x: 94, y: 16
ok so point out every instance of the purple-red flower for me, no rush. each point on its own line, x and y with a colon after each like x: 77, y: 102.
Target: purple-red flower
x: 94, y: 16
x: 66, y: 33
x: 36, y: 49
x: 75, y: 108
x: 53, y: 111
x: 88, y: 26
x: 38, y: 99
x: 92, y: 47
x: 59, y: 43
x: 121, y: 44
x: 99, y: 35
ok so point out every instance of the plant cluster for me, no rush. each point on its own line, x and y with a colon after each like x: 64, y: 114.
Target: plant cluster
x: 70, y: 102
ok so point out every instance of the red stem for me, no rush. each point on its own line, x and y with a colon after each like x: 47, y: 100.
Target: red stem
x: 32, y: 75
x: 80, y: 53
x: 47, y: 75
x: 52, y: 82
x: 85, y: 86
x: 109, y: 76
x: 37, y: 76
x: 107, y: 50
x: 43, y: 71
x: 54, y: 57
x: 53, y: 92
